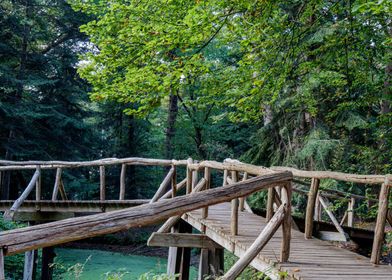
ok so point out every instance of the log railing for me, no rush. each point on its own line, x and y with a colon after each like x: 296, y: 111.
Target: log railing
x: 233, y: 171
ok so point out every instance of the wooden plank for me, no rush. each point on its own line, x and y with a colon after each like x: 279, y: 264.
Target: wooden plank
x: 381, y: 220
x: 123, y: 176
x: 313, y: 192
x: 331, y: 236
x: 257, y: 245
x: 187, y: 240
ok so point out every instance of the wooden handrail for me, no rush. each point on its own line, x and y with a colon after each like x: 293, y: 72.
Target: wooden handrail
x: 354, y: 178
x: 21, y: 165
x: 50, y: 234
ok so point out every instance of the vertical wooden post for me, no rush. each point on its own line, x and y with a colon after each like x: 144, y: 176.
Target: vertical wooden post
x: 195, y: 178
x: 38, y: 185
x: 102, y: 182
x: 234, y: 207
x: 218, y: 259
x: 56, y: 184
x: 207, y: 177
x: 242, y: 199
x: 28, y: 265
x: 312, y: 196
x: 189, y: 179
x: 225, y: 173
x: 286, y: 224
x: 2, y: 272
x: 270, y: 203
x: 122, y: 181
x: 350, y: 212
x: 317, y: 209
x: 203, y: 265
x: 174, y: 182
x: 381, y: 220
x: 48, y: 256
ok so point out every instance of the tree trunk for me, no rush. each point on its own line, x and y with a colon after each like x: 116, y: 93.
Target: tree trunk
x: 171, y: 122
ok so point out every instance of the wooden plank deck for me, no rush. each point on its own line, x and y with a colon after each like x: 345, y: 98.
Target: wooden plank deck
x: 309, y: 259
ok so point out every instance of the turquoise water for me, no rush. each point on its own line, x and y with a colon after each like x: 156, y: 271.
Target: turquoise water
x: 97, y: 265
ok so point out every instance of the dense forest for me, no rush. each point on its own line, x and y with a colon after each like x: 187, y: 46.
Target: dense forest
x: 295, y: 83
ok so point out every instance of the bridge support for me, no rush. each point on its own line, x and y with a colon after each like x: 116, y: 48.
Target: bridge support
x: 179, y: 259
x: 48, y: 255
x: 211, y: 263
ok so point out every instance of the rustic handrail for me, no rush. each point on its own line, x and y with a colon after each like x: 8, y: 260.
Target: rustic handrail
x: 21, y: 165
x: 50, y: 234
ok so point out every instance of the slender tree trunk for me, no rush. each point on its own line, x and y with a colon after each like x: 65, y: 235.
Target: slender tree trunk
x: 171, y: 123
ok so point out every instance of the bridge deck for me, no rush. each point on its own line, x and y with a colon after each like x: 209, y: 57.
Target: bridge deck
x: 309, y: 259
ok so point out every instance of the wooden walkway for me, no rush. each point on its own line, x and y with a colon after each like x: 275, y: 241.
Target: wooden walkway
x: 309, y: 259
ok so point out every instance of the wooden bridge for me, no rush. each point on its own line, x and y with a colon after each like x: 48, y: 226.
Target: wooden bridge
x: 201, y: 215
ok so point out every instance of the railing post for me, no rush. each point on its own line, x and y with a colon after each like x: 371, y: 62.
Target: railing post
x: 38, y: 185
x: 242, y: 199
x: 225, y: 174
x: 310, y: 207
x: 102, y: 182
x: 56, y: 184
x: 2, y: 272
x: 270, y: 204
x: 122, y: 181
x: 381, y: 219
x: 286, y: 193
x: 207, y: 177
x: 189, y: 179
x: 350, y: 212
x: 174, y: 181
x: 234, y: 207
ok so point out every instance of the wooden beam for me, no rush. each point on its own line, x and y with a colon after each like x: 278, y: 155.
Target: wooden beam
x: 10, y: 213
x: 262, y: 240
x: 56, y: 184
x: 207, y: 177
x: 350, y: 212
x: 189, y: 179
x: 123, y: 176
x: 25, y: 165
x: 310, y: 207
x: 270, y: 204
x: 38, y: 185
x: 187, y: 240
x: 2, y: 272
x: 242, y: 200
x: 381, y: 220
x: 28, y: 265
x: 286, y: 223
x: 355, y: 178
x: 332, y: 217
x: 50, y: 234
x: 163, y: 186
x: 102, y: 183
x: 234, y: 208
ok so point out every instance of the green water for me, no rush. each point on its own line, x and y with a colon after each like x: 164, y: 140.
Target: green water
x: 98, y: 264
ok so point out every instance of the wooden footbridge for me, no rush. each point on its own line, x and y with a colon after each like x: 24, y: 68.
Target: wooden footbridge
x: 197, y: 214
